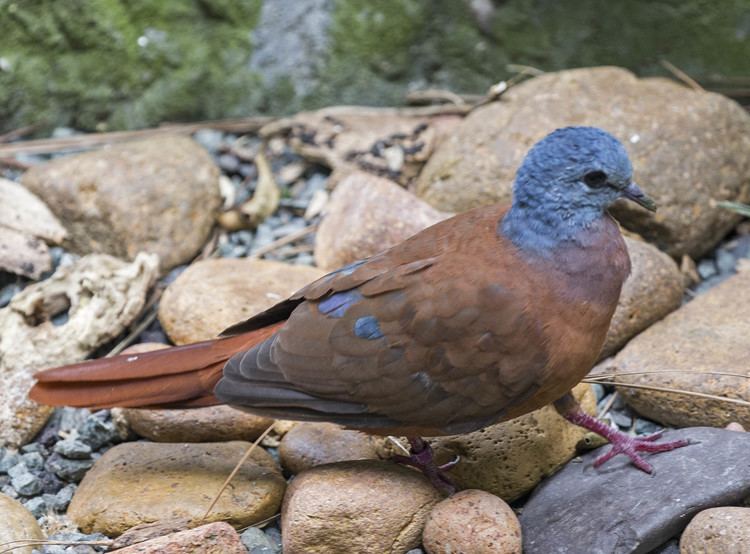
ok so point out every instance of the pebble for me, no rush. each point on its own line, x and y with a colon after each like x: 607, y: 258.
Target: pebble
x: 68, y: 470
x: 210, y: 139
x: 23, y: 481
x: 98, y: 431
x: 74, y: 449
x: 723, y: 530
x: 214, y: 538
x: 37, y: 506
x: 256, y: 542
x: 17, y: 523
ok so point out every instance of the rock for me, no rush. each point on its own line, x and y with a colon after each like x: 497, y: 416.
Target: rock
x: 143, y: 482
x: 311, y: 444
x: 685, y: 158
x: 717, y: 531
x: 709, y: 334
x: 510, y: 458
x: 654, y: 289
x: 157, y: 195
x: 569, y: 511
x: 376, y: 213
x: 68, y: 470
x: 72, y: 448
x: 25, y: 482
x: 25, y: 223
x: 256, y: 542
x: 214, y: 423
x: 97, y: 431
x: 18, y: 524
x: 101, y: 296
x: 213, y: 294
x: 363, y: 506
x: 214, y: 538
x: 472, y: 521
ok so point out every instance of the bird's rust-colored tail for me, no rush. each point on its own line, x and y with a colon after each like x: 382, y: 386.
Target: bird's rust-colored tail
x: 181, y: 376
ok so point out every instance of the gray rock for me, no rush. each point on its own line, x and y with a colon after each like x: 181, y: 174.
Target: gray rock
x: 8, y: 459
x: 273, y: 533
x: 25, y: 482
x: 68, y: 470
x: 256, y: 542
x: 97, y: 432
x: 725, y: 261
x: 210, y: 139
x: 59, y: 502
x: 33, y: 460
x: 37, y: 506
x: 618, y: 509
x: 706, y: 268
x: 74, y: 449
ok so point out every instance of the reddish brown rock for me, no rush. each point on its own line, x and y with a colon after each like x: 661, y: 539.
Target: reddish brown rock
x: 366, y: 506
x: 214, y: 538
x: 717, y: 531
x: 311, y: 444
x: 472, y: 522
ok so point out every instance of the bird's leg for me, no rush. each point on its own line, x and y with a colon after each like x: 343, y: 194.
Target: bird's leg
x: 422, y: 458
x: 568, y: 407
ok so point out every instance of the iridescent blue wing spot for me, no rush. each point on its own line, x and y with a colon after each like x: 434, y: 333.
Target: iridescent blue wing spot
x: 337, y: 304
x: 367, y: 327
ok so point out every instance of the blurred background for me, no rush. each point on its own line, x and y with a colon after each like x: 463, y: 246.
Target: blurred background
x: 117, y: 64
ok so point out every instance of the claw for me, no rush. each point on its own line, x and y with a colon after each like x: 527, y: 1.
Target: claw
x: 421, y: 458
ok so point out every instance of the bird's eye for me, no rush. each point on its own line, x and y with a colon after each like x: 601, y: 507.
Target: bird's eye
x: 595, y: 179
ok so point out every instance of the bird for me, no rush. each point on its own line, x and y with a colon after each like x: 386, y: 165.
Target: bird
x: 478, y: 319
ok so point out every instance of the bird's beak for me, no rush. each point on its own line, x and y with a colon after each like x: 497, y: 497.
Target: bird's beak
x: 633, y: 192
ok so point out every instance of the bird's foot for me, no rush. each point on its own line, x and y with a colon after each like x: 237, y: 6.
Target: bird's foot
x: 422, y: 458
x: 623, y: 443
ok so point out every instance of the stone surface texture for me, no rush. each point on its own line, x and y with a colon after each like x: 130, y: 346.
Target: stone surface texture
x: 709, y: 334
x: 687, y: 147
x: 723, y: 530
x: 143, y: 482
x: 101, y: 295
x: 509, y: 459
x: 213, y: 294
x: 17, y: 524
x: 156, y: 195
x: 214, y: 538
x: 472, y: 521
x: 366, y: 506
x: 567, y: 513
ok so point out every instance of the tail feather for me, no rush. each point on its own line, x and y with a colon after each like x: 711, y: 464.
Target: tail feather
x: 181, y: 376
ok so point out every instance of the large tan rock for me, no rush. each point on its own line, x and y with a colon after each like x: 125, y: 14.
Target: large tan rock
x: 717, y: 531
x: 472, y: 521
x: 17, y: 524
x: 157, y: 195
x: 709, y: 334
x: 510, y: 458
x: 101, y: 295
x: 144, y: 482
x: 375, y: 213
x: 311, y: 444
x: 654, y: 289
x: 213, y: 294
x: 688, y: 148
x: 214, y: 538
x: 366, y: 506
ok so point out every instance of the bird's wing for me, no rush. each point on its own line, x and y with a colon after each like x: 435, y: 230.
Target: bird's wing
x: 433, y: 342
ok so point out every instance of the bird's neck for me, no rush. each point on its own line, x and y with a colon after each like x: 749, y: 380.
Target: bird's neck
x: 535, y: 226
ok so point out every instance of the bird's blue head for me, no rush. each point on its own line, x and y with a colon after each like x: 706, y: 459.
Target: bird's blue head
x: 564, y: 185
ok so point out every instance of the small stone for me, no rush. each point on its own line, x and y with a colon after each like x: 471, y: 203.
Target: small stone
x: 707, y: 268
x: 37, y: 506
x: 8, y: 460
x: 723, y: 530
x: 310, y: 444
x: 213, y: 294
x: 141, y: 482
x: 74, y: 449
x: 63, y: 498
x: 567, y: 512
x: 33, y: 447
x: 210, y: 139
x: 256, y: 542
x: 734, y: 426
x: 274, y: 535
x: 96, y: 432
x: 33, y: 460
x: 67, y: 469
x: 472, y: 521
x: 17, y: 524
x: 725, y: 261
x: 214, y: 538
x: 228, y: 163
x: 365, y: 506
x: 621, y: 419
x: 25, y: 482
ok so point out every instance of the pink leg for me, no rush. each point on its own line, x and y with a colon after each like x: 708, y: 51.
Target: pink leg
x: 421, y: 457
x: 621, y: 442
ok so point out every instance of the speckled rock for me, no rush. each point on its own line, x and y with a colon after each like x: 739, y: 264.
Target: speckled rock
x: 157, y: 195
x: 214, y: 538
x: 376, y: 213
x: 568, y: 513
x: 143, y: 482
x: 311, y: 444
x: 717, y: 531
x: 687, y: 147
x: 365, y: 506
x: 653, y: 290
x: 17, y: 524
x: 213, y: 294
x: 510, y: 458
x: 213, y: 423
x: 709, y: 334
x: 472, y: 521
x: 99, y: 296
